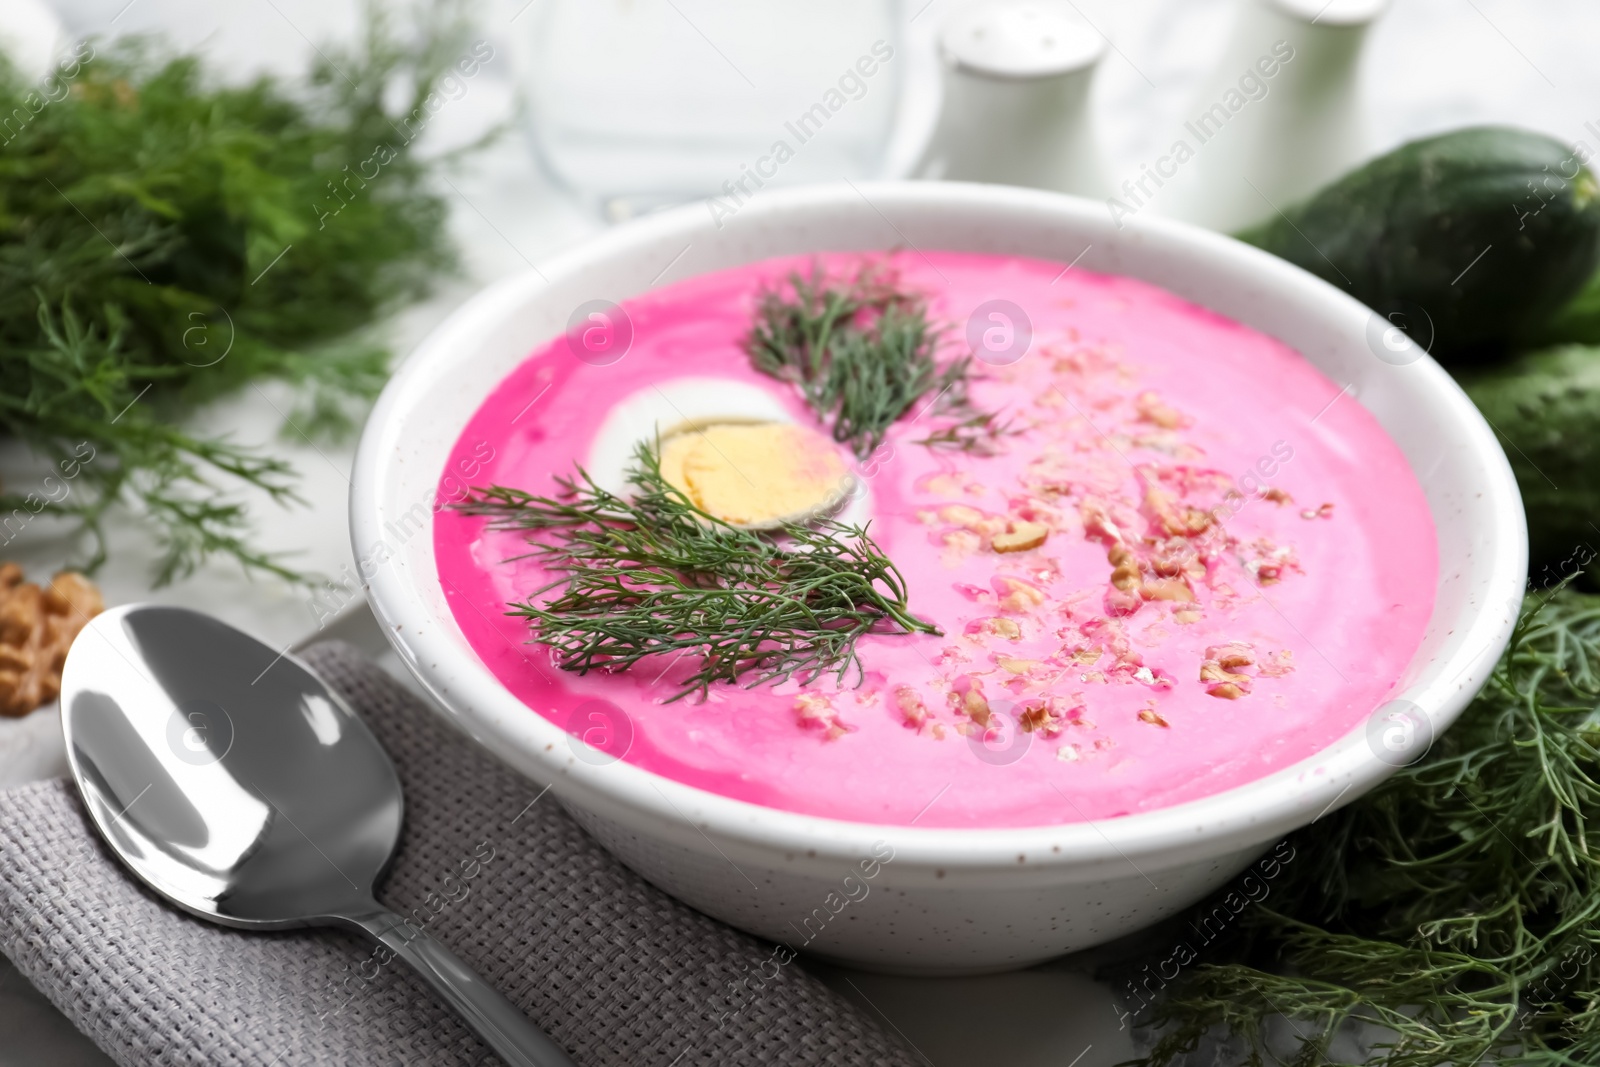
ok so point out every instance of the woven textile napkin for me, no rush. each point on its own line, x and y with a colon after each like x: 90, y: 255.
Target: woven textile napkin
x: 616, y: 971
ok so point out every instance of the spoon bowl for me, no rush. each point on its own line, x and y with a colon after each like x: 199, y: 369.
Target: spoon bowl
x: 232, y: 781
x: 228, y: 777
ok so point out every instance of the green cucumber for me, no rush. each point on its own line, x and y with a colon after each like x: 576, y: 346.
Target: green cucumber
x: 1545, y: 408
x: 1488, y: 230
x: 1578, y: 322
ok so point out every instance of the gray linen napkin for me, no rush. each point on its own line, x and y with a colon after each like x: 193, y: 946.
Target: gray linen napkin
x: 616, y: 971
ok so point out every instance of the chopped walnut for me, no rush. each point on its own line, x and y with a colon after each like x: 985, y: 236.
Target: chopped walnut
x: 36, y: 629
x: 1211, y: 672
x: 812, y: 708
x: 1150, y: 715
x: 970, y: 518
x: 1178, y: 557
x: 1151, y: 409
x: 1033, y: 717
x: 1097, y: 521
x: 1277, y: 496
x: 1233, y: 655
x: 1121, y: 602
x: 1124, y: 567
x: 1221, y: 670
x: 961, y: 515
x: 912, y: 709
x: 958, y: 545
x: 1016, y: 594
x: 1043, y: 718
x: 1272, y: 562
x: 1126, y: 581
x: 995, y: 626
x: 967, y: 698
x: 1161, y: 508
x: 1282, y: 664
x: 1167, y: 589
x: 816, y: 712
x: 1266, y: 571
x: 1020, y: 537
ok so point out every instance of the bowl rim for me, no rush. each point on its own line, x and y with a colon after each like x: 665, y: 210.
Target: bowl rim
x: 1239, y: 817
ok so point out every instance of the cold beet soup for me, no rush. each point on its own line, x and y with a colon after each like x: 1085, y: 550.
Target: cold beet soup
x: 948, y: 539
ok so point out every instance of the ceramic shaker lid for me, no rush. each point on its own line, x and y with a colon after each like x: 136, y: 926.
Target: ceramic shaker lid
x: 1020, y: 39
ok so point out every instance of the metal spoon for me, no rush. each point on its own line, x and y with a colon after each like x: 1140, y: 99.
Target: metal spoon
x: 235, y: 784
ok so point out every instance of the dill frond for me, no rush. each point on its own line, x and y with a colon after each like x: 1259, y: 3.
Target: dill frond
x: 1456, y: 907
x: 977, y: 435
x: 166, y: 240
x: 654, y: 575
x: 861, y: 352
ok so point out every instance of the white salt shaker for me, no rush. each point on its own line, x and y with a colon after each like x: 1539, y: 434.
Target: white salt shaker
x: 1016, y: 95
x: 1262, y: 141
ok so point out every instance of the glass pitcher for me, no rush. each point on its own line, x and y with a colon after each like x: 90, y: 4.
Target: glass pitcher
x: 637, y: 104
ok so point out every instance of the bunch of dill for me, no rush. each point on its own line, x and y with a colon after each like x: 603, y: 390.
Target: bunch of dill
x: 1456, y: 907
x: 654, y: 575
x: 862, y: 353
x: 166, y: 240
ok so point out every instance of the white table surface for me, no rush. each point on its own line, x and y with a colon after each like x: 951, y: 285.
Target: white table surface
x: 1430, y: 65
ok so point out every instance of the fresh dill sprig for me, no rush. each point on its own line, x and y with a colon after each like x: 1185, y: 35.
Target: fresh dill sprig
x: 654, y: 575
x: 166, y: 240
x: 861, y: 352
x: 1457, y: 907
x: 976, y: 434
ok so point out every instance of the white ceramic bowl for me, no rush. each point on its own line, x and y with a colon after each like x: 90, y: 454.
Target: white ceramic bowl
x: 950, y: 900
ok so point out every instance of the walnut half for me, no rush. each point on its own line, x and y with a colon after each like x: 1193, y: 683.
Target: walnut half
x: 36, y: 629
x: 1020, y: 537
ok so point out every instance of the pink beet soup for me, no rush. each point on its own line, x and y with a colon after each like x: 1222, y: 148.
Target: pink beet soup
x: 1239, y: 562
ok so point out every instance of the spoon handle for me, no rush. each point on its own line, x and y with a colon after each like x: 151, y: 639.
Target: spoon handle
x: 494, y: 1018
